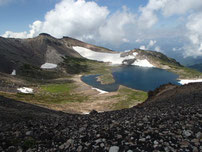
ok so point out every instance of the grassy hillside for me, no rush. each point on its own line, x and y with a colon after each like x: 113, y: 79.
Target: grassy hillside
x: 197, y: 67
x: 162, y: 61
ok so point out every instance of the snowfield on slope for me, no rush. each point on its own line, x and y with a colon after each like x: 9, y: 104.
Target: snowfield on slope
x: 114, y: 58
x: 143, y: 63
x: 187, y: 81
x: 100, y: 91
x: 13, y: 73
x: 48, y: 66
x: 25, y: 90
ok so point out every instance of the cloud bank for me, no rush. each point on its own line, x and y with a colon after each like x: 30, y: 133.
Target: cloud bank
x: 87, y: 21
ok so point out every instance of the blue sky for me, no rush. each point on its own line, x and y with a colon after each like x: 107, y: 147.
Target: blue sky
x: 169, y: 26
x: 16, y: 15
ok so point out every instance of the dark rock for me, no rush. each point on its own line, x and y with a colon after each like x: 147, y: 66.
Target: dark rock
x: 93, y: 112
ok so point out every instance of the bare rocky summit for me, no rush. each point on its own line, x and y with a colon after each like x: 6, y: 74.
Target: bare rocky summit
x: 14, y: 53
x: 170, y: 120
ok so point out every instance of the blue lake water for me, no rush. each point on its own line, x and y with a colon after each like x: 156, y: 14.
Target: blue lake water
x: 135, y: 77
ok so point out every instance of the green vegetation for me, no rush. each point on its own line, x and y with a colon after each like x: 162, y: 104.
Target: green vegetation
x: 129, y: 98
x: 29, y: 71
x: 186, y: 73
x: 84, y: 66
x: 183, y: 72
x: 163, y: 62
x: 75, y: 65
x: 106, y: 78
x: 50, y: 94
x: 197, y: 67
x: 57, y: 88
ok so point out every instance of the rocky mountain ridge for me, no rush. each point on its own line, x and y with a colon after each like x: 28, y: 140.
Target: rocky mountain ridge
x: 44, y: 48
x: 37, y: 51
x: 155, y: 58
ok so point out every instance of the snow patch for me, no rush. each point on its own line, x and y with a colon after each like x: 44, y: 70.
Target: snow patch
x: 135, y: 53
x: 143, y: 63
x: 100, y: 91
x: 25, y: 90
x: 48, y: 66
x: 13, y: 73
x: 85, y: 113
x: 114, y: 58
x: 187, y: 81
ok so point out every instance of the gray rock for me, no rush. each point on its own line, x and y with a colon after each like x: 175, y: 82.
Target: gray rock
x: 98, y: 141
x: 62, y: 146
x: 11, y: 149
x: 69, y: 142
x: 79, y: 149
x: 142, y: 139
x: 184, y: 144
x: 19, y: 150
x: 166, y: 149
x: 119, y: 136
x: 114, y: 149
x: 148, y: 137
x: 199, y: 135
x: 145, y: 119
x: 82, y: 129
x: 187, y: 133
x: 195, y: 149
x: 156, y: 142
x: 29, y: 133
x: 102, y: 145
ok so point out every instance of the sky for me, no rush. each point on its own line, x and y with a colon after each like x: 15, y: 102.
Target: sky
x: 172, y: 27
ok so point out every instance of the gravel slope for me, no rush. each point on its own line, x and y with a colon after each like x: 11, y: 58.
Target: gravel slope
x: 168, y: 121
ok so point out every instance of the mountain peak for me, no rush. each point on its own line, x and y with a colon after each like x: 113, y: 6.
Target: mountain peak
x: 45, y: 34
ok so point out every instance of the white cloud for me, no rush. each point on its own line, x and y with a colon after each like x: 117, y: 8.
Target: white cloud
x: 138, y: 40
x: 85, y: 21
x: 34, y: 30
x: 78, y: 19
x: 194, y: 34
x: 158, y: 49
x: 148, y: 15
x: 10, y: 34
x: 149, y: 12
x: 117, y: 27
x: 142, y: 47
x: 125, y: 40
x: 179, y: 7
x: 151, y: 45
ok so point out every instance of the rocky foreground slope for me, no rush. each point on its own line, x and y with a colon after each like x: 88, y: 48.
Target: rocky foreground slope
x: 170, y: 120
